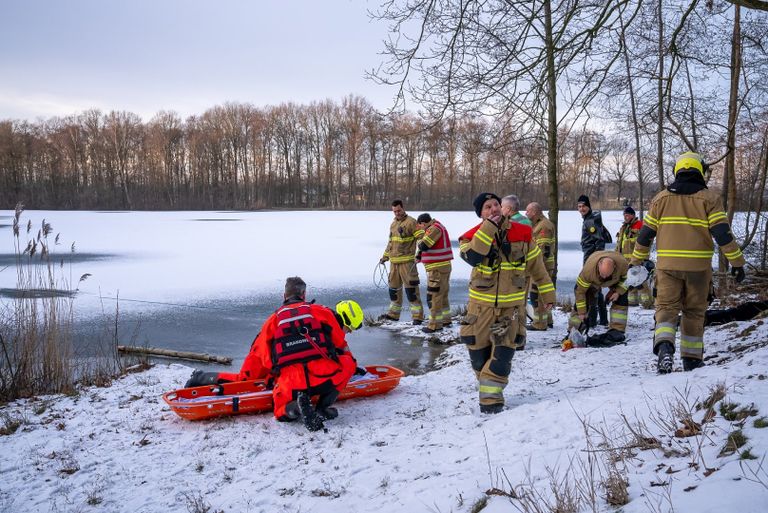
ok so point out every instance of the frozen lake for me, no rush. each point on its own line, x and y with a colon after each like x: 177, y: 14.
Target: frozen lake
x: 205, y: 281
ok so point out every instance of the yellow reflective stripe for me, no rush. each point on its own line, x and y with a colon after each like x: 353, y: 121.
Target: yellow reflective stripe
x: 401, y: 259
x: 685, y: 253
x: 692, y: 221
x: 551, y: 259
x: 691, y: 344
x: 402, y: 239
x: 733, y: 255
x: 464, y: 247
x: 502, y: 298
x: 486, y: 389
x: 546, y: 288
x: 641, y: 254
x: 581, y: 304
x: 664, y: 329
x: 717, y: 217
x: 582, y: 283
x: 509, y: 266
x: 616, y: 315
x: 484, y: 269
x: 428, y: 241
x: 536, y: 251
x: 418, y: 233
x: 435, y: 265
x: 651, y: 221
x: 484, y: 238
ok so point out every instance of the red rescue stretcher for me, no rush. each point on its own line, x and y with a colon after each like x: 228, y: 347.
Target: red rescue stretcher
x: 208, y: 401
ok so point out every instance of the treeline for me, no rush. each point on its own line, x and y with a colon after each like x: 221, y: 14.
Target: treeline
x: 322, y: 155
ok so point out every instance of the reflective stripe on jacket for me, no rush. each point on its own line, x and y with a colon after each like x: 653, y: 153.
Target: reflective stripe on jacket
x: 684, y: 226
x: 435, y: 246
x: 500, y: 279
x: 403, y: 235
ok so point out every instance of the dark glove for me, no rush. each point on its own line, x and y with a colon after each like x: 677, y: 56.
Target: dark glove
x: 738, y: 274
x: 359, y: 371
x: 493, y: 253
x: 418, y: 257
x: 547, y: 252
x: 382, y: 260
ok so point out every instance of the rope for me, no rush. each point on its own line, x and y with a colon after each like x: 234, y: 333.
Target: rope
x: 178, y: 305
x: 380, y: 276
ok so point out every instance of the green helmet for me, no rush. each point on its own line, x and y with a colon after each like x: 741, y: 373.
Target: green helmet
x: 351, y: 314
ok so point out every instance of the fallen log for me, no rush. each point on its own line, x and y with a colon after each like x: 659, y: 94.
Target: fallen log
x: 170, y: 353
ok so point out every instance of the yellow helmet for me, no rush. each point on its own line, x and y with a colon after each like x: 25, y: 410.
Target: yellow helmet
x: 351, y: 314
x: 689, y: 160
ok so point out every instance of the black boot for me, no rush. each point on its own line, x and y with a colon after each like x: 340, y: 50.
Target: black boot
x: 291, y: 413
x: 666, y: 353
x: 492, y: 409
x: 200, y: 378
x: 324, y: 408
x: 691, y: 363
x: 311, y: 419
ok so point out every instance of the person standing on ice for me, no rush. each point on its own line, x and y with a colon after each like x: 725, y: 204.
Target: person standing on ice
x: 401, y: 253
x: 436, y: 254
x: 502, y: 254
x: 684, y: 219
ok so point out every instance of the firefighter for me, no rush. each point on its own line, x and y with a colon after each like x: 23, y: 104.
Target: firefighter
x: 502, y: 255
x: 594, y: 236
x: 603, y: 269
x: 625, y: 244
x: 544, y: 235
x: 401, y: 252
x: 436, y: 254
x: 348, y: 315
x: 684, y: 219
x: 303, y: 347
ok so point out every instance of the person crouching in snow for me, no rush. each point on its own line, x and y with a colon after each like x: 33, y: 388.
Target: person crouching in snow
x: 502, y: 254
x: 303, y: 348
x: 603, y: 269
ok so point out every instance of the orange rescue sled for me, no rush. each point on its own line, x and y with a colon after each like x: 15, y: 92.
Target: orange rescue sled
x: 238, y: 397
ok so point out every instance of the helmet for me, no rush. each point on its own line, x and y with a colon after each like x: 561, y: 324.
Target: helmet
x: 351, y: 313
x: 690, y: 161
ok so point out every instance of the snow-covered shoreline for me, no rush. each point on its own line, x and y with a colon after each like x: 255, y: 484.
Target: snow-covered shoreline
x: 420, y: 448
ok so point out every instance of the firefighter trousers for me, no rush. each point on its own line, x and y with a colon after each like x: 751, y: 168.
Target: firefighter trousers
x: 619, y: 309
x: 489, y: 334
x: 686, y: 292
x: 438, y: 285
x: 405, y: 276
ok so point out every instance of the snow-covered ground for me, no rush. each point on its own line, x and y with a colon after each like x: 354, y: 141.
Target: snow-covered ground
x: 423, y: 447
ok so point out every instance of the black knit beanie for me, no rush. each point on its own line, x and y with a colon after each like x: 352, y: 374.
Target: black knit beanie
x: 629, y: 210
x: 584, y: 199
x: 481, y: 199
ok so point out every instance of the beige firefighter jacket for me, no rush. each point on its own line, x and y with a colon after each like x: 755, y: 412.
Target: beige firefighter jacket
x: 627, y: 237
x: 544, y: 235
x: 684, y: 225
x: 403, y: 237
x: 500, y: 280
x: 590, y: 277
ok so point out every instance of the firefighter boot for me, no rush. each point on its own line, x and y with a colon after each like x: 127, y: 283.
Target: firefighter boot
x: 492, y: 409
x: 666, y: 352
x: 311, y: 419
x: 324, y: 408
x: 691, y: 363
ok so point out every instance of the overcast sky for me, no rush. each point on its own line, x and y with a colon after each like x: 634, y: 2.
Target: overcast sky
x: 60, y: 57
